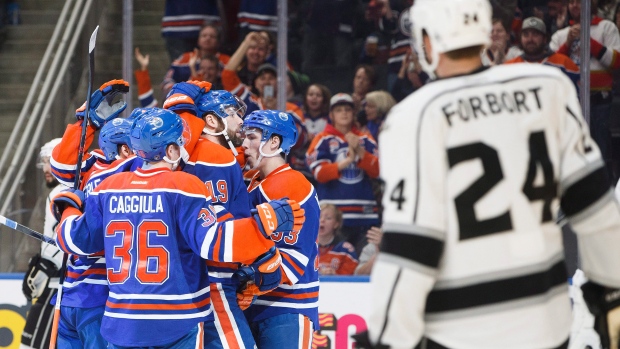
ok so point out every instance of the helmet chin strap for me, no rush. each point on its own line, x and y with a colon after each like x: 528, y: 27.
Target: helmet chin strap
x: 224, y: 133
x: 263, y: 155
x: 182, y: 159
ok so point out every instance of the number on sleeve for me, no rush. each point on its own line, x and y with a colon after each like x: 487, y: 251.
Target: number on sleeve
x: 397, y: 194
x: 548, y: 190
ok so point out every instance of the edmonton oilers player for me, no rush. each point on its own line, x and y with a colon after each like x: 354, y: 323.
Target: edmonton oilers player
x: 287, y: 316
x: 155, y: 224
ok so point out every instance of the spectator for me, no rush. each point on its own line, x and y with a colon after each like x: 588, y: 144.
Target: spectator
x: 336, y: 256
x: 143, y: 79
x: 363, y: 82
x: 604, y: 47
x: 316, y: 109
x: 208, y: 70
x: 250, y: 55
x: 343, y: 160
x: 182, y: 21
x: 376, y: 107
x: 500, y: 50
x: 395, y: 23
x: 370, y: 251
x: 556, y: 17
x: 208, y: 45
x: 410, y: 77
x: 535, y: 50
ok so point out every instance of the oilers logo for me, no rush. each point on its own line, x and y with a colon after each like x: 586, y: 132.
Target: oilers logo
x: 156, y: 122
x: 404, y: 23
x: 351, y: 174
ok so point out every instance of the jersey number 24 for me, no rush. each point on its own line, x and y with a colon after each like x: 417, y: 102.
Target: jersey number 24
x: 469, y: 225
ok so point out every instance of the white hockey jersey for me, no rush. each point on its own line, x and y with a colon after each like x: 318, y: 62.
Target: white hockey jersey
x: 471, y: 255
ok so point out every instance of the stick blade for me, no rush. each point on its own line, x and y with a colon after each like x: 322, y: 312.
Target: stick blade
x: 93, y: 39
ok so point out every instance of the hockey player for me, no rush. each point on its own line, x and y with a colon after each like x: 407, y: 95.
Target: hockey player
x: 213, y: 162
x: 287, y: 316
x: 41, y: 279
x: 85, y: 288
x: 154, y: 225
x: 471, y: 256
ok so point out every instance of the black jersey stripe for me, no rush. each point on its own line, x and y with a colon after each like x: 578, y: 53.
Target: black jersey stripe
x: 421, y: 249
x: 585, y: 192
x: 497, y: 291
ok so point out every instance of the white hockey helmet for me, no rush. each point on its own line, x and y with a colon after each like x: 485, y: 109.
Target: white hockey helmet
x: 46, y: 149
x: 450, y: 25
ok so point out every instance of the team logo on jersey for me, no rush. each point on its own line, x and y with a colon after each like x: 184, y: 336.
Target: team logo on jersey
x: 283, y: 116
x: 207, y: 215
x: 156, y: 122
x: 334, y: 145
x: 404, y: 23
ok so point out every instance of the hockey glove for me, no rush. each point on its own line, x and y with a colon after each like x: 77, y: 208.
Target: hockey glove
x: 604, y: 304
x: 65, y: 199
x: 264, y: 273
x: 279, y: 216
x: 184, y: 95
x: 104, y: 104
x: 40, y: 270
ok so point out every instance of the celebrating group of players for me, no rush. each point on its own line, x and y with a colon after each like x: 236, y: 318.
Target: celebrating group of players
x: 168, y: 246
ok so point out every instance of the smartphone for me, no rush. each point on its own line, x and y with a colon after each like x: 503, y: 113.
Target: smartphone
x: 268, y: 91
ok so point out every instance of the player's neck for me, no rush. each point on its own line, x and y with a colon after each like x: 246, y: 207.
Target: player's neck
x: 343, y: 129
x: 159, y: 164
x: 269, y: 165
x: 448, y: 67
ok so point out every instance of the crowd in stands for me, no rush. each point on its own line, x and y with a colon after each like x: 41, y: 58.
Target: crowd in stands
x: 366, y: 44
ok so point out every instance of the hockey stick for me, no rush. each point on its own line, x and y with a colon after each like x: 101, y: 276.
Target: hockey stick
x: 76, y: 183
x: 24, y: 229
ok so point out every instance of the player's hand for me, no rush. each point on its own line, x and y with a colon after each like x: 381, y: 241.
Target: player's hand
x: 184, y: 95
x: 66, y: 199
x: 604, y: 304
x: 279, y: 216
x: 40, y: 270
x: 264, y: 273
x: 104, y: 104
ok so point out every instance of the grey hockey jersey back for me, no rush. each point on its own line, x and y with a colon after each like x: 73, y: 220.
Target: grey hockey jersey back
x: 471, y: 256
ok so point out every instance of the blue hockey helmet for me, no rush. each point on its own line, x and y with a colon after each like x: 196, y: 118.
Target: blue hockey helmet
x: 274, y: 122
x: 221, y: 103
x: 114, y: 133
x: 153, y: 131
